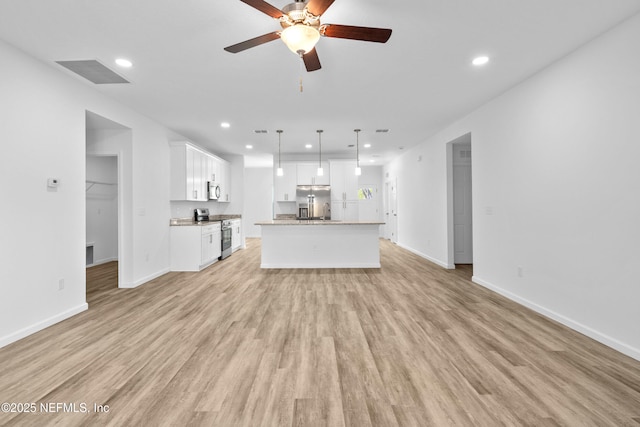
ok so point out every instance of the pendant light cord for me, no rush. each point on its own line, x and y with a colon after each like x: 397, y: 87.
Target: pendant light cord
x: 319, y: 148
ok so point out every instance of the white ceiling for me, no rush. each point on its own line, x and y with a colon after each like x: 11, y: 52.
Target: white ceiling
x: 414, y: 84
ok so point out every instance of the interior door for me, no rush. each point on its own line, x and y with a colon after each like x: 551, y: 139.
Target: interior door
x: 391, y: 214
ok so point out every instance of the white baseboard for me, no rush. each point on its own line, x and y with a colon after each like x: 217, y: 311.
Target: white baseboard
x: 585, y: 330
x: 22, y: 333
x: 320, y: 265
x: 427, y: 257
x: 146, y: 279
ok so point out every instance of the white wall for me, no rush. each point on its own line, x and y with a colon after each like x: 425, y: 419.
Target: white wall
x: 258, y: 199
x: 102, y: 207
x: 43, y: 136
x: 555, y: 190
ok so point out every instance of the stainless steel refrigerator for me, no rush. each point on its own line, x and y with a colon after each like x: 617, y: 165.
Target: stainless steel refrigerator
x: 314, y: 201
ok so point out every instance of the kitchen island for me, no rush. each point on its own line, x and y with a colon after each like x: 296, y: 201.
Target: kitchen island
x: 320, y: 244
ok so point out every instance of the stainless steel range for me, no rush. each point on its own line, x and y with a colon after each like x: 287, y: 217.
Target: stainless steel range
x: 226, y: 238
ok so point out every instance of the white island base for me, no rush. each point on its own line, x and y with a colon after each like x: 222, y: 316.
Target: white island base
x: 318, y: 244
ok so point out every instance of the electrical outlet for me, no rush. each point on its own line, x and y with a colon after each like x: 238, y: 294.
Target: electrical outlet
x: 146, y: 257
x: 520, y: 271
x: 60, y: 284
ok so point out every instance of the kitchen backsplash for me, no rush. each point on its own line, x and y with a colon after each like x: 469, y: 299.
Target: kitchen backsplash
x: 183, y: 209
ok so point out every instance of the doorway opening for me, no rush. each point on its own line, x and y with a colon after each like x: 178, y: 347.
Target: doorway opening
x: 460, y: 203
x: 108, y: 146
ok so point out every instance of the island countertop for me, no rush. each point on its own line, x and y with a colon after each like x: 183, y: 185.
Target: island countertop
x: 315, y: 222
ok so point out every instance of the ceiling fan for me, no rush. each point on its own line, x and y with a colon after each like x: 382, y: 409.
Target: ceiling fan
x: 301, y: 29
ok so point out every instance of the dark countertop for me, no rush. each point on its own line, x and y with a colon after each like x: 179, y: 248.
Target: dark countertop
x: 192, y: 222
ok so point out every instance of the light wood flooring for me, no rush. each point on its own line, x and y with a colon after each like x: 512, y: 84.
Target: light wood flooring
x: 410, y: 344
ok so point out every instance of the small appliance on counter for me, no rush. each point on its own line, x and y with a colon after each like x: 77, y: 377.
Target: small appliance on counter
x: 201, y: 214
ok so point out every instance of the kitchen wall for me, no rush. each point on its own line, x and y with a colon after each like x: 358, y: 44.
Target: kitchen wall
x: 43, y: 243
x: 258, y: 199
x: 555, y: 191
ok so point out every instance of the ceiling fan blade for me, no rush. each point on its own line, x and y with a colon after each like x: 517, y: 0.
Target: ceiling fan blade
x: 311, y: 60
x: 317, y: 7
x: 257, y: 41
x: 264, y: 7
x: 368, y: 34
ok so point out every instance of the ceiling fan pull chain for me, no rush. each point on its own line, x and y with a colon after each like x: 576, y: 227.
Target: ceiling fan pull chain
x: 301, y: 73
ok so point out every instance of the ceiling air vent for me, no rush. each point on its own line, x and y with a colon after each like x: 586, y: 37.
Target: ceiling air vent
x: 93, y: 71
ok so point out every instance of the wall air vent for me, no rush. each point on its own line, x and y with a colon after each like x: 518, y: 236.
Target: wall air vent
x: 93, y: 71
x: 261, y: 131
x: 382, y: 130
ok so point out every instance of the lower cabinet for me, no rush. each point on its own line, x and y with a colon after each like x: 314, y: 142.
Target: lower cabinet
x: 345, y: 210
x: 236, y: 235
x: 194, y: 247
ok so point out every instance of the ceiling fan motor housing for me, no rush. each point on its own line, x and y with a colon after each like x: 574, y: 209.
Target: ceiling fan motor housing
x: 297, y: 13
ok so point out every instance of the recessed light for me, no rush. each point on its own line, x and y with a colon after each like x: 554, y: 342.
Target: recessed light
x: 372, y: 160
x: 249, y: 146
x: 480, y: 60
x: 367, y: 145
x: 124, y: 62
x: 225, y: 125
x: 308, y: 146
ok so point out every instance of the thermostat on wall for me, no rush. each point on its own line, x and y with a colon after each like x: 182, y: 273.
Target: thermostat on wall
x: 52, y: 182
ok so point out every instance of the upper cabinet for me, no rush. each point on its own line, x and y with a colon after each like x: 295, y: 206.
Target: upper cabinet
x: 307, y: 174
x: 285, y: 186
x: 344, y: 181
x: 187, y: 179
x: 192, y: 169
x: 224, y: 181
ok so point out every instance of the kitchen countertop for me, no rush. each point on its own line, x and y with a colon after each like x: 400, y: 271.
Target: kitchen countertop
x: 191, y: 222
x: 316, y: 222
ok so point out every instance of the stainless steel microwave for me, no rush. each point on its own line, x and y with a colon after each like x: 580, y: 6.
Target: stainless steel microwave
x: 213, y: 190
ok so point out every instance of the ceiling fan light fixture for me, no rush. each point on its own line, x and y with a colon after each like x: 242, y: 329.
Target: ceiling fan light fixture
x: 300, y: 38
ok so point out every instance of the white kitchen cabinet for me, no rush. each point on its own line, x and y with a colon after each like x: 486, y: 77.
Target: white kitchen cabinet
x: 188, y: 166
x: 344, y: 191
x: 236, y: 235
x: 225, y: 181
x: 192, y: 169
x: 194, y: 247
x: 213, y: 169
x: 307, y: 173
x: 345, y: 210
x: 344, y: 181
x: 285, y: 185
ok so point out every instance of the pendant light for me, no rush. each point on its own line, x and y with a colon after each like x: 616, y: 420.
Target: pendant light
x: 279, y: 171
x: 358, y: 170
x: 320, y: 170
